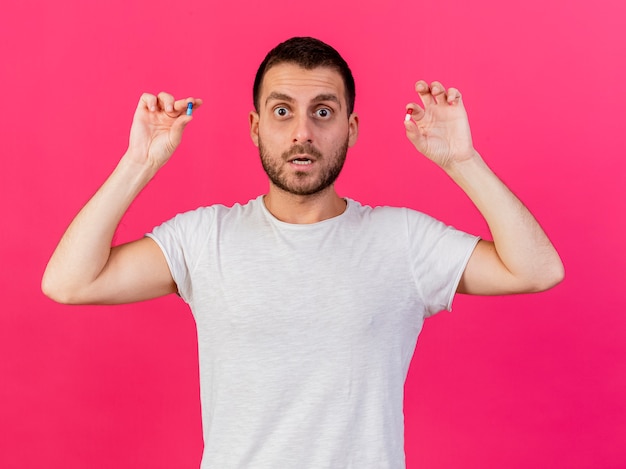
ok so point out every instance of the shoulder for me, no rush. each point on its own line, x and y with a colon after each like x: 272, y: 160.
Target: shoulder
x: 214, y: 213
x: 406, y: 225
x: 384, y: 214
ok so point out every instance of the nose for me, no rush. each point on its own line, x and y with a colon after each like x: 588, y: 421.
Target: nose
x: 302, y: 132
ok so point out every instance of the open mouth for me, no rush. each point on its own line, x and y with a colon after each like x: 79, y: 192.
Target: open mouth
x: 301, y: 161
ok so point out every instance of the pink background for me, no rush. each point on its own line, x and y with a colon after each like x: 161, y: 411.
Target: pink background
x: 535, y: 381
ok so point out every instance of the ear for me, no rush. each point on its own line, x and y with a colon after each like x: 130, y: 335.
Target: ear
x: 353, y: 129
x: 254, y: 127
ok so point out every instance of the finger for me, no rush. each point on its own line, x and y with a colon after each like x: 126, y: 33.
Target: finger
x: 423, y: 90
x: 181, y: 104
x: 197, y: 102
x: 413, y: 112
x: 439, y: 92
x: 166, y: 101
x: 454, y: 96
x: 149, y: 101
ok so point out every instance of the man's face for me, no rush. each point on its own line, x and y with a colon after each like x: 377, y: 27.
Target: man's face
x: 302, y: 128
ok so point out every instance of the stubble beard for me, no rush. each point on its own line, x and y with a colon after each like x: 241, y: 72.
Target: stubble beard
x: 298, y: 185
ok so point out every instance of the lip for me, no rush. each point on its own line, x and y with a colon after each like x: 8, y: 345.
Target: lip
x: 301, y: 167
x: 302, y: 156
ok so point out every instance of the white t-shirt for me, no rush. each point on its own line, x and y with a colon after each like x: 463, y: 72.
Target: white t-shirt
x: 306, y: 331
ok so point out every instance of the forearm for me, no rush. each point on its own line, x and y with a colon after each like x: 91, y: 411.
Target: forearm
x: 521, y: 245
x: 84, y: 249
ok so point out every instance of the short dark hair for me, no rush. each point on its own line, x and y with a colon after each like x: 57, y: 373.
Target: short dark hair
x: 308, y: 53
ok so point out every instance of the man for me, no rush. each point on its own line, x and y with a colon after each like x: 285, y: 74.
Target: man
x: 307, y: 305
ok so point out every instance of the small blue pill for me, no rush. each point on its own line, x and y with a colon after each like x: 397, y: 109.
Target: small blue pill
x: 189, y: 108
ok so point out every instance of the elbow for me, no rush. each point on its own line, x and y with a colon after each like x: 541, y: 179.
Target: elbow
x: 51, y: 291
x: 559, y: 273
x: 551, y: 274
x: 56, y: 291
x: 47, y: 287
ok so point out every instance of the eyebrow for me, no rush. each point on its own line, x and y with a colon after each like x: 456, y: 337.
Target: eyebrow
x: 276, y: 96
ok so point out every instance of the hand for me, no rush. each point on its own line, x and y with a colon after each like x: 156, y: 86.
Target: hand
x: 157, y: 128
x: 440, y: 130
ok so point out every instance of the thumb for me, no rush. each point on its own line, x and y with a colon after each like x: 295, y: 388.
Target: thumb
x: 178, y: 127
x: 414, y: 113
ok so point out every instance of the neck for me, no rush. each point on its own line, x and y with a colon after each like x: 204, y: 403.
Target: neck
x: 304, y: 209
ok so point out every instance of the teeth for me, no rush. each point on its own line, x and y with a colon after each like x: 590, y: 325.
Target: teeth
x: 301, y: 161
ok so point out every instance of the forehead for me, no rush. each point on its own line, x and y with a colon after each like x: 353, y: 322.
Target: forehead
x: 300, y: 83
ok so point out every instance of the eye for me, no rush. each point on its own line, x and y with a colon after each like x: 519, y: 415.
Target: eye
x: 323, y: 113
x: 281, y: 111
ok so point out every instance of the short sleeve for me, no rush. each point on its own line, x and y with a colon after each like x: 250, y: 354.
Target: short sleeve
x: 439, y: 255
x: 183, y: 240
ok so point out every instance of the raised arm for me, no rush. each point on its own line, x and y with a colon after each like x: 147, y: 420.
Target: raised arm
x: 521, y: 258
x: 85, y: 268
